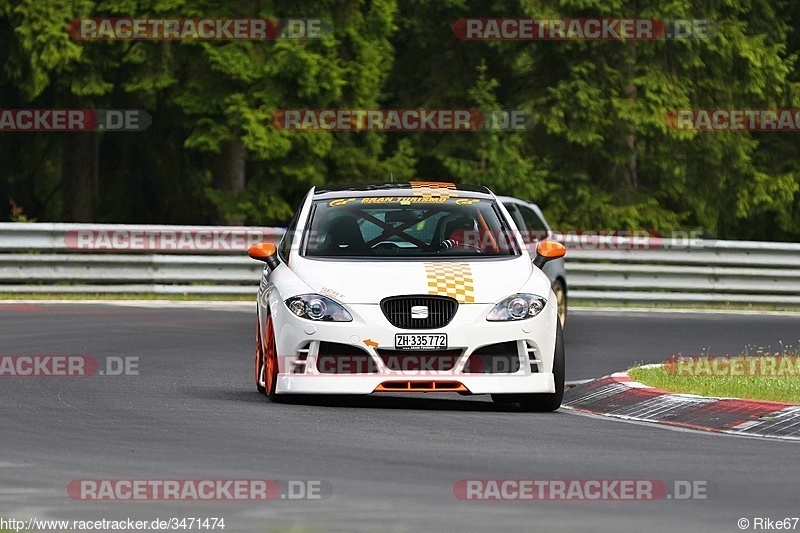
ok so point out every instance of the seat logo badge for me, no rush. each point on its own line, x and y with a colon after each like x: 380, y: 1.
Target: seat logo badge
x: 419, y: 311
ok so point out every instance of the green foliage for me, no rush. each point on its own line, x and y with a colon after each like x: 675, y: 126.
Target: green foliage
x: 494, y: 158
x: 41, y: 49
x: 261, y: 207
x: 598, y: 152
x: 18, y: 214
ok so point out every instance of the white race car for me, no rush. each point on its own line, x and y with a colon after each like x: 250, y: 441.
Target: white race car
x: 408, y: 287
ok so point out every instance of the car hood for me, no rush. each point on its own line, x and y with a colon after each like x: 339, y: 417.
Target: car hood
x: 368, y: 282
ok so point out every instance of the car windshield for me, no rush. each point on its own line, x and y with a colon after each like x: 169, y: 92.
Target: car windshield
x: 407, y: 226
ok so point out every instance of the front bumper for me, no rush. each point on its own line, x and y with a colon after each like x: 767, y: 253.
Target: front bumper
x: 298, y: 341
x: 362, y: 384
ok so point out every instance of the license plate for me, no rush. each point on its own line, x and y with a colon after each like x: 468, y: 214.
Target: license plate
x: 417, y: 341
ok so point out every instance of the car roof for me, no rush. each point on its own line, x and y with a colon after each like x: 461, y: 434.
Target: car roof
x: 400, y: 189
x: 535, y: 207
x: 511, y: 199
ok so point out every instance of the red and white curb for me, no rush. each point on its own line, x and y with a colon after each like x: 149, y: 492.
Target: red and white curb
x: 618, y: 396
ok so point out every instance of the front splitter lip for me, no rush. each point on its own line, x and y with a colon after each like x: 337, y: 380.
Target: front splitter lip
x: 367, y: 384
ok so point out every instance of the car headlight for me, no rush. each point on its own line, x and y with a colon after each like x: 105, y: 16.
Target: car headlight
x: 318, y: 307
x: 517, y: 307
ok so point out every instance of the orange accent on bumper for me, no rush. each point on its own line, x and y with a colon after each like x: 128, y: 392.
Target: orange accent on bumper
x: 421, y: 386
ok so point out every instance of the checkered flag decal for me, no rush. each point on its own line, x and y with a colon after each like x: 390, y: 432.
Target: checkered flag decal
x: 451, y: 279
x: 429, y: 189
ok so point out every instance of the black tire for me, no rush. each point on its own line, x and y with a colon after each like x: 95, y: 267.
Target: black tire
x: 546, y: 402
x: 561, y: 295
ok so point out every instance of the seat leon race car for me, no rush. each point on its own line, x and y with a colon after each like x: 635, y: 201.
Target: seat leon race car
x: 408, y: 287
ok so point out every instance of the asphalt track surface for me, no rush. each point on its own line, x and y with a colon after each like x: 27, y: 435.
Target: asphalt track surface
x: 390, y: 462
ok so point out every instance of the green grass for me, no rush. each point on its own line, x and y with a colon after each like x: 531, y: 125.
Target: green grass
x: 776, y: 389
x: 126, y: 296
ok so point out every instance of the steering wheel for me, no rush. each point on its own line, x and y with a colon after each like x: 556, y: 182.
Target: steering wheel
x: 450, y: 244
x: 387, y: 246
x: 470, y: 246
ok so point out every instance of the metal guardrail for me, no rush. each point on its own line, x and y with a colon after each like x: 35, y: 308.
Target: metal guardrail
x: 123, y: 238
x: 52, y: 258
x: 739, y: 272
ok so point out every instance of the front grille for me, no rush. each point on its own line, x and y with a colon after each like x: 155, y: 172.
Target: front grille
x: 428, y: 361
x: 441, y: 310
x: 502, y: 358
x: 335, y: 358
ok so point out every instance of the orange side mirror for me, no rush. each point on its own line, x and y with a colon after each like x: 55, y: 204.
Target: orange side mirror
x: 547, y: 251
x: 264, y: 251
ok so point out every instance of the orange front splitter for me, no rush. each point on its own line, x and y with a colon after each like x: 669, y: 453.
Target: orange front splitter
x: 421, y: 386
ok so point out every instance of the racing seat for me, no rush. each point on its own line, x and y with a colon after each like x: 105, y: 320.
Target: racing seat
x: 344, y: 237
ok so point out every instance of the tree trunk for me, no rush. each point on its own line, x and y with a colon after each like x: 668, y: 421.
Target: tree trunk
x: 78, y: 181
x: 229, y: 176
x: 630, y: 170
